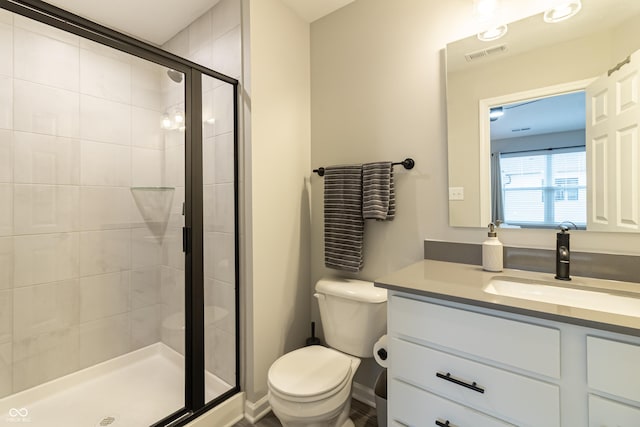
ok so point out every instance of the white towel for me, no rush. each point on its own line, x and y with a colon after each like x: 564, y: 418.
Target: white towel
x: 378, y: 191
x: 343, y: 222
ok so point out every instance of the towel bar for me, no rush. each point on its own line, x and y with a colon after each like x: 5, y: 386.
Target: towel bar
x: 407, y: 163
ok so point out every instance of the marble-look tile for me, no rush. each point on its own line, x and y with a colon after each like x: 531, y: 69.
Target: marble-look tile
x: 146, y: 167
x: 223, y: 209
x: 6, y: 209
x: 45, y: 258
x: 6, y: 262
x: 6, y: 48
x: 223, y: 158
x: 104, y: 76
x: 225, y: 17
x: 172, y: 291
x: 45, y: 60
x: 145, y: 287
x: 6, y: 156
x: 104, y: 339
x: 6, y: 316
x: 219, y: 256
x: 105, y: 121
x: 221, y: 295
x: 227, y: 53
x: 104, y: 295
x: 146, y: 89
x: 147, y: 251
x: 220, y: 354
x: 40, y: 208
x: 223, y: 109
x: 45, y: 30
x: 145, y: 326
x: 44, y: 109
x: 105, y: 251
x: 200, y: 32
x: 46, y: 159
x: 44, y: 357
x: 172, y: 254
x: 42, y: 309
x: 103, y: 208
x: 146, y: 130
x: 6, y: 371
x: 105, y: 164
x: 6, y: 102
x: 179, y: 44
x: 174, y: 168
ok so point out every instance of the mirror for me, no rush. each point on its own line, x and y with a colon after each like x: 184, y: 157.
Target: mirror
x: 531, y: 63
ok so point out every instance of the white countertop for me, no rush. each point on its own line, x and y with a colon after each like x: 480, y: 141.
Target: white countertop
x: 466, y: 283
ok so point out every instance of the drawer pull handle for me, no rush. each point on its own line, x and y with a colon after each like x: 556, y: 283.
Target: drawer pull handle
x: 444, y: 424
x: 473, y: 386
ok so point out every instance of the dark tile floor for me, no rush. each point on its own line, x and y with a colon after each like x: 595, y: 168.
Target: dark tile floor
x: 361, y: 414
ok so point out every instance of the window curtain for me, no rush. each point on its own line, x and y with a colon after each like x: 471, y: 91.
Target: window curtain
x: 497, y: 208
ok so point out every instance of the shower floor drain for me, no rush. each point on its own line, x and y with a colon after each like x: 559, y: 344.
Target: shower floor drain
x: 107, y: 421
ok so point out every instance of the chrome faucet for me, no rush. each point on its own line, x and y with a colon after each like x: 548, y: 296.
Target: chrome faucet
x: 563, y: 254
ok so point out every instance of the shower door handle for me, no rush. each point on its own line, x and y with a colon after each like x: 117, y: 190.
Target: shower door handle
x: 186, y: 239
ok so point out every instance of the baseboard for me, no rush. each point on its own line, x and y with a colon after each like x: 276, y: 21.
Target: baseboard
x: 254, y: 411
x: 363, y: 394
x: 224, y: 415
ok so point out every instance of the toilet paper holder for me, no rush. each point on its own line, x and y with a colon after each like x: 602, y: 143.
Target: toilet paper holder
x: 382, y: 353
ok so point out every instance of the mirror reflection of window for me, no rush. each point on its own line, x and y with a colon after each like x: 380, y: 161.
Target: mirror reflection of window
x: 538, y: 164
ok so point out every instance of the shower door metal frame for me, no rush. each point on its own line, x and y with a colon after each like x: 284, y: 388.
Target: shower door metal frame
x: 193, y: 232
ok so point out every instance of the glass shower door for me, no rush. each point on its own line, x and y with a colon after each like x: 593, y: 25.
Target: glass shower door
x: 92, y: 273
x: 220, y: 269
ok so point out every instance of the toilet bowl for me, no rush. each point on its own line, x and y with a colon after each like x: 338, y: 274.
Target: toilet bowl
x: 311, y: 386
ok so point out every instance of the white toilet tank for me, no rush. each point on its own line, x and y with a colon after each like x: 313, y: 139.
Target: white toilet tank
x: 353, y: 314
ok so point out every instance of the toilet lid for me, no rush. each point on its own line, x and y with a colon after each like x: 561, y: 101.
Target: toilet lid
x: 309, y: 371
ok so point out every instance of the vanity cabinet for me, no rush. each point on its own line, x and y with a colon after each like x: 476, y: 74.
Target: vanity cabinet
x: 471, y: 366
x: 613, y: 368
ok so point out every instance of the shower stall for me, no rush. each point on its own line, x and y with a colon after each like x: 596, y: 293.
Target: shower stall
x: 118, y: 227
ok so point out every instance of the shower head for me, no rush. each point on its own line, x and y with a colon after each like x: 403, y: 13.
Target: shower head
x: 174, y: 75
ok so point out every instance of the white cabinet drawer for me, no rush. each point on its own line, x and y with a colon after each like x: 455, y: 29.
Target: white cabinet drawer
x: 613, y: 367
x: 522, y: 345
x: 607, y: 413
x: 516, y: 398
x: 415, y: 407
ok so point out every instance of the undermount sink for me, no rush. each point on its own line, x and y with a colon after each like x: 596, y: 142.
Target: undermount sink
x: 575, y: 296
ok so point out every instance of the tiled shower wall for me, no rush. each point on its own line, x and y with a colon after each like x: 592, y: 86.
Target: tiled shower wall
x: 79, y: 268
x: 214, y: 41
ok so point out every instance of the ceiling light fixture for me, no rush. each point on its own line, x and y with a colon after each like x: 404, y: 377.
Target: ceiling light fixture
x: 562, y: 12
x: 492, y: 33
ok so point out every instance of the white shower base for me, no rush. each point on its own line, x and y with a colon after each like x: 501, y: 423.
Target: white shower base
x: 132, y: 390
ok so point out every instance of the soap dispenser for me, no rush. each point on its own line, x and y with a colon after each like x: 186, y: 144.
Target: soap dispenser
x: 492, y: 251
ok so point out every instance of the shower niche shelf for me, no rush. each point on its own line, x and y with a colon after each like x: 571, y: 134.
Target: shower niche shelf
x: 154, y: 205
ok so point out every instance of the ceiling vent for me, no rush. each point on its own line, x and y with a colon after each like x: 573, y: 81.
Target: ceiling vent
x: 473, y: 56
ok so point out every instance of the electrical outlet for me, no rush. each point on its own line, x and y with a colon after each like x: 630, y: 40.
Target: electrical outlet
x: 456, y: 193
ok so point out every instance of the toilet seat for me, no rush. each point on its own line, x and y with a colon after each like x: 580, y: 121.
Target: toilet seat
x: 309, y: 374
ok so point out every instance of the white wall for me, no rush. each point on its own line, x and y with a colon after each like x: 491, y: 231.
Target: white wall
x: 378, y: 93
x: 278, y: 98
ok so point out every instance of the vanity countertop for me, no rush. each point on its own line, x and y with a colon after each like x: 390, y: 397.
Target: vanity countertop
x: 465, y: 283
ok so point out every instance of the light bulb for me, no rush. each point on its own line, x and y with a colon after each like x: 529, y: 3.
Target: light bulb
x: 178, y: 117
x: 563, y: 11
x: 493, y: 33
x: 166, y: 122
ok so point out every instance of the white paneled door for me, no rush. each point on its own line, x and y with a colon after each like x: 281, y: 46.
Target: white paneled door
x: 612, y: 126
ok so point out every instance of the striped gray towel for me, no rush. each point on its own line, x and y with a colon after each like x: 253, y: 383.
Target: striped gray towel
x: 378, y: 191
x: 343, y: 223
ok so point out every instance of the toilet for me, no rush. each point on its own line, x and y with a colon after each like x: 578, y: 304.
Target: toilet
x: 311, y: 386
